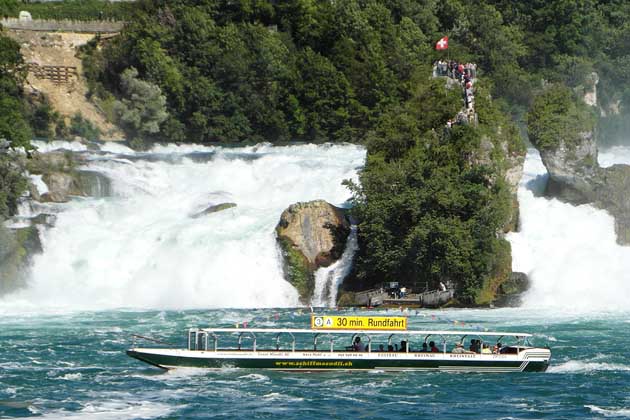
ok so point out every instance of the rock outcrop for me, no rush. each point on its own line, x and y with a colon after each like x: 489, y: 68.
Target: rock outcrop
x: 511, y: 292
x: 61, y: 185
x: 63, y: 180
x: 311, y: 235
x: 17, y: 247
x: 214, y: 209
x: 565, y: 134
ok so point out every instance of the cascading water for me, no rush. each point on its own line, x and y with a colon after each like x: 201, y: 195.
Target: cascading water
x: 141, y: 247
x: 328, y: 279
x: 569, y: 252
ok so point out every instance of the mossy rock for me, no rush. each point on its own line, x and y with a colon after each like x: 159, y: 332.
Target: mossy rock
x: 346, y: 299
x: 500, y: 274
x: 311, y: 235
x: 57, y: 161
x: 16, y: 249
x: 297, y: 269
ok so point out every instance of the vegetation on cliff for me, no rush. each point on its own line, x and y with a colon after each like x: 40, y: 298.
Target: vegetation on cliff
x: 69, y: 9
x: 430, y: 209
x: 13, y: 124
x: 310, y: 71
x: 558, y: 117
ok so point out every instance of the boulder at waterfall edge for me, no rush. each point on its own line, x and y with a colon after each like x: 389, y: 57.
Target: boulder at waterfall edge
x: 17, y: 248
x: 310, y: 235
x: 59, y: 173
x: 563, y: 129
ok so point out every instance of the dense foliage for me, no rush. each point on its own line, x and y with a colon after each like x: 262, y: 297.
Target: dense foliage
x: 69, y: 9
x: 303, y: 70
x: 558, y: 117
x: 14, y: 128
x: 431, y: 202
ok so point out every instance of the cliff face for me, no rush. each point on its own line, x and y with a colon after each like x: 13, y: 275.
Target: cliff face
x: 572, y: 168
x: 311, y: 235
x: 575, y: 177
x: 564, y: 132
x: 42, y: 49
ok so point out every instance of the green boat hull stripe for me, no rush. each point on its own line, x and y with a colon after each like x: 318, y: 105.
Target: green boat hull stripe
x: 342, y: 363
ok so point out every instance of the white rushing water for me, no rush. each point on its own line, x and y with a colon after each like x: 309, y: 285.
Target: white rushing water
x: 570, y: 253
x: 142, y: 249
x: 328, y: 279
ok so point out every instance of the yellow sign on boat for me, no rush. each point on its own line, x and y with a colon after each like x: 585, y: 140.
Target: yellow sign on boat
x: 393, y: 323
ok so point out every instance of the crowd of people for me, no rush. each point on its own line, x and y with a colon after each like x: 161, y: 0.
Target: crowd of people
x: 476, y: 347
x: 464, y: 73
x: 455, y: 70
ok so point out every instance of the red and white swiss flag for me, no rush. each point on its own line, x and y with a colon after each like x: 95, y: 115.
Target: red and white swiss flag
x: 442, y: 44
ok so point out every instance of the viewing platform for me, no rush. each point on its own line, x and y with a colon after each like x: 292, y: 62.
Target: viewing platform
x: 427, y: 299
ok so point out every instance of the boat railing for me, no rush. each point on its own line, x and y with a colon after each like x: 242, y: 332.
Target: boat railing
x: 136, y: 337
x: 198, y: 340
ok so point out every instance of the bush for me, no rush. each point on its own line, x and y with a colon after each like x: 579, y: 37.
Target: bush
x: 12, y: 186
x: 143, y: 107
x: 81, y: 127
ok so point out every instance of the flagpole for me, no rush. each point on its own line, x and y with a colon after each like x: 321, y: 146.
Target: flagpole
x: 448, y: 52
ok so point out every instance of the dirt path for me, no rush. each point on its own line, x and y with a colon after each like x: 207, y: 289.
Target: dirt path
x: 59, y: 49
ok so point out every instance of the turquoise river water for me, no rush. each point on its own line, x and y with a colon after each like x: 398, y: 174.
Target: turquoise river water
x: 73, y: 365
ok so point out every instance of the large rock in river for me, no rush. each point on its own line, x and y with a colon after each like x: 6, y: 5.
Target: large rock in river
x: 311, y: 235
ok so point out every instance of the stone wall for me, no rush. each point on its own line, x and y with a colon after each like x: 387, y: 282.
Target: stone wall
x: 66, y: 25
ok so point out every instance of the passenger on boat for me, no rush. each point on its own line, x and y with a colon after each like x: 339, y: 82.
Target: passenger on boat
x: 433, y: 348
x: 497, y: 348
x: 403, y: 346
x: 474, y: 345
x: 358, y: 345
x: 381, y: 347
x: 425, y: 348
x: 459, y: 348
x: 486, y: 349
x: 390, y: 347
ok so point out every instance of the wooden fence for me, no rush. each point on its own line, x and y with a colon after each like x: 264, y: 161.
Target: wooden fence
x: 57, y: 74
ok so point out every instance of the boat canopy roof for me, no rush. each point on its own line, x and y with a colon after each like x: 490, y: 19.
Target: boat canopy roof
x: 366, y: 332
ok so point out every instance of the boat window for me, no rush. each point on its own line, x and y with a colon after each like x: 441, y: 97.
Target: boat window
x: 247, y: 335
x: 291, y: 341
x: 192, y: 340
x: 202, y: 341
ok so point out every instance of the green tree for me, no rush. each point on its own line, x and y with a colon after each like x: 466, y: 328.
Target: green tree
x: 143, y: 107
x: 13, y: 126
x: 12, y: 186
x: 557, y: 117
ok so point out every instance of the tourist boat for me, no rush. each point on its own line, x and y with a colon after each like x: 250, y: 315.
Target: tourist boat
x: 316, y: 349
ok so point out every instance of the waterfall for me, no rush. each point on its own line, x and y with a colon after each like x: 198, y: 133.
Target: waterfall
x: 328, y: 279
x: 137, y: 246
x: 569, y: 252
